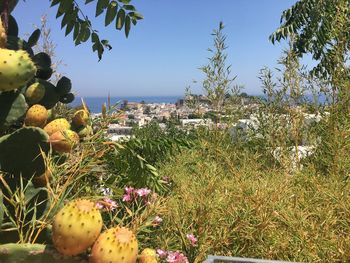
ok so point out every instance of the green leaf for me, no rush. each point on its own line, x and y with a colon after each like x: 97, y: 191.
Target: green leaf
x: 76, y: 30
x: 101, y: 6
x: 69, y: 28
x: 55, y: 2
x: 34, y: 37
x: 136, y: 15
x: 127, y: 25
x: 120, y: 19
x: 129, y: 7
x: 111, y: 12
x: 88, y: 1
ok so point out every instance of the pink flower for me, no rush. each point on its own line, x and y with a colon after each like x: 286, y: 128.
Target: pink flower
x: 157, y: 220
x: 161, y: 253
x: 99, y: 205
x: 172, y: 257
x: 110, y: 204
x: 192, y: 239
x: 127, y: 198
x: 142, y: 192
x: 129, y: 190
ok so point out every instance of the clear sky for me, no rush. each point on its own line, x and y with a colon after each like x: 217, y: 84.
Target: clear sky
x: 164, y: 51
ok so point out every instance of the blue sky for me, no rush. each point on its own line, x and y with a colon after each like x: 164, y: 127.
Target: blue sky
x: 164, y: 51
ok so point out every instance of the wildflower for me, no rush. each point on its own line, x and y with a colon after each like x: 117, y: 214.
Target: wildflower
x: 171, y: 258
x: 110, y: 204
x: 129, y: 190
x: 99, y: 205
x: 176, y: 257
x: 161, y: 253
x: 157, y: 220
x: 143, y: 192
x: 127, y: 198
x: 192, y: 239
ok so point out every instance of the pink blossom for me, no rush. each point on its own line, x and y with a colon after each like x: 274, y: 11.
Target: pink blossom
x: 99, y: 205
x: 172, y: 257
x: 192, y: 239
x: 129, y: 190
x: 161, y: 253
x: 143, y: 192
x: 110, y: 204
x: 127, y: 198
x: 157, y: 220
x: 176, y: 257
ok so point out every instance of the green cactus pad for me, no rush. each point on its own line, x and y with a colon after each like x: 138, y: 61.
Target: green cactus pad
x: 68, y: 98
x: 64, y: 86
x: 20, y: 152
x: 13, y: 107
x: 51, y: 97
x: 12, y: 29
x: 34, y: 253
x: 42, y: 62
x: 16, y: 43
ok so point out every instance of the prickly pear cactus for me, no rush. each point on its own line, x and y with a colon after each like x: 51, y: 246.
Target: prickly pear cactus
x: 13, y: 107
x: 33, y: 253
x: 115, y: 245
x: 35, y: 93
x: 60, y: 124
x: 16, y: 68
x: 36, y: 116
x: 76, y: 227
x: 64, y: 141
x: 21, y: 152
x: 148, y: 255
x: 81, y: 118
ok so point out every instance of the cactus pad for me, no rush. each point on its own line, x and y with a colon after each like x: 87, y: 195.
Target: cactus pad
x: 3, y: 35
x: 35, y: 93
x: 115, y: 245
x: 36, y: 116
x: 64, y: 141
x: 33, y: 253
x: 13, y: 107
x: 16, y: 69
x: 51, y: 97
x: 76, y: 227
x: 60, y: 124
x: 63, y: 86
x: 21, y: 152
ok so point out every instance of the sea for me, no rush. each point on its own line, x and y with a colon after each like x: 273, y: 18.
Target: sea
x: 95, y: 103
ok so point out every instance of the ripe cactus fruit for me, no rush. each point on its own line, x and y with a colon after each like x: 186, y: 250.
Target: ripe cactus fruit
x: 35, y: 93
x: 115, y: 245
x: 36, y: 116
x: 60, y: 124
x: 148, y: 255
x: 80, y: 118
x: 76, y: 227
x: 16, y: 69
x: 64, y: 141
x: 85, y: 132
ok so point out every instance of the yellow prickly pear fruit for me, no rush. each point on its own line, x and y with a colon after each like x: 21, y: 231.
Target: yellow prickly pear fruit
x: 35, y: 93
x: 36, y: 116
x: 81, y: 118
x: 76, y: 227
x: 3, y: 35
x: 115, y: 245
x: 60, y: 124
x: 64, y: 141
x: 16, y: 69
x: 148, y: 255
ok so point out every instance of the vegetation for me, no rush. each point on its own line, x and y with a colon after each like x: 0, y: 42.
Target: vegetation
x: 248, y: 190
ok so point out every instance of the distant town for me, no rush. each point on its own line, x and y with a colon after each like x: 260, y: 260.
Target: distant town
x: 190, y: 112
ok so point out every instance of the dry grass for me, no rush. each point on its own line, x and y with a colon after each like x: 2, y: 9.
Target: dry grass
x: 250, y: 211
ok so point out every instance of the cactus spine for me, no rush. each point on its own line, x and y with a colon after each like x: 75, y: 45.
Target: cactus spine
x: 76, y: 227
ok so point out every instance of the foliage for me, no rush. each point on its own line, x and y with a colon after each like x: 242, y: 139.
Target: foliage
x: 121, y: 13
x: 218, y: 81
x: 319, y: 28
